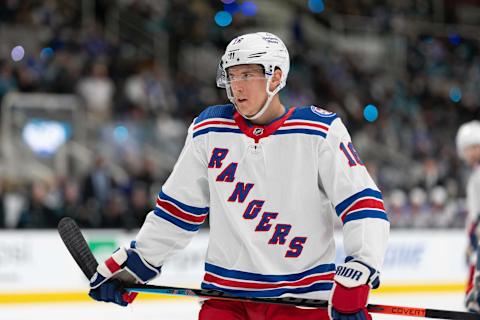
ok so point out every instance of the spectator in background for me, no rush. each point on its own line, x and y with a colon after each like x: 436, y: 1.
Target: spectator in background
x: 72, y: 206
x: 149, y: 90
x: 139, y: 204
x: 115, y: 214
x: 146, y: 174
x: 94, y: 41
x: 97, y: 189
x: 419, y: 208
x: 62, y: 72
x: 432, y: 174
x: 397, y: 208
x: 442, y: 213
x: 97, y: 91
x: 38, y: 214
x: 7, y: 81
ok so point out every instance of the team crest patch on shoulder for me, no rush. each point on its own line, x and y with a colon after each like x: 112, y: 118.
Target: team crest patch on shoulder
x: 322, y: 112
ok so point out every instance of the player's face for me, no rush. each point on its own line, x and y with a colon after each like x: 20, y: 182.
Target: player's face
x: 472, y: 154
x: 248, y: 85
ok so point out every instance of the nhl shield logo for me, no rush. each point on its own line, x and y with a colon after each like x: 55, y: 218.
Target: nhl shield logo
x: 258, y: 131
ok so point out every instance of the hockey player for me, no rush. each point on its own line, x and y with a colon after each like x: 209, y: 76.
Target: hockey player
x: 272, y: 180
x: 468, y: 146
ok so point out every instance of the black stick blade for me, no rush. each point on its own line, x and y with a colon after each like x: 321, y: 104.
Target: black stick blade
x: 77, y: 246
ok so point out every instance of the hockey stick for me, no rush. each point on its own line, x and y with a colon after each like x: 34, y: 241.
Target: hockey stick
x: 78, y: 248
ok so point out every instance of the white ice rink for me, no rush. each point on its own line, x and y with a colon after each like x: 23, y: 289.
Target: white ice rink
x: 187, y: 308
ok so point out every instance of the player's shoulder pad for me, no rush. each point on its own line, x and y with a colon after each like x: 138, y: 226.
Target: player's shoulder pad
x: 314, y: 113
x: 224, y: 111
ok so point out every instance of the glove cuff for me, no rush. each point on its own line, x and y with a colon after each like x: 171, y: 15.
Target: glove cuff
x: 349, y: 300
x: 354, y: 273
x: 124, y: 259
x: 139, y: 268
x: 109, y: 268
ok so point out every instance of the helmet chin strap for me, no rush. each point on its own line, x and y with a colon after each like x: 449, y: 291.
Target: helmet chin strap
x: 270, y: 95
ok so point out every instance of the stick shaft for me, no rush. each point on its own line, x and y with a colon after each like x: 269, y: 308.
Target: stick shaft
x: 202, y: 293
x: 301, y: 302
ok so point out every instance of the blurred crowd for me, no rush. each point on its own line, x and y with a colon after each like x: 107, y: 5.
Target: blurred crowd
x: 95, y: 201
x: 422, y: 98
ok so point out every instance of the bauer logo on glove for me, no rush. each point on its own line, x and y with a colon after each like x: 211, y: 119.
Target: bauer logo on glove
x: 352, y: 274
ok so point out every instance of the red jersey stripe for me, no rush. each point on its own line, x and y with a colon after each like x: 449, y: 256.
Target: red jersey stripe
x: 367, y: 204
x: 299, y: 123
x: 206, y: 123
x: 170, y: 208
x: 265, y: 285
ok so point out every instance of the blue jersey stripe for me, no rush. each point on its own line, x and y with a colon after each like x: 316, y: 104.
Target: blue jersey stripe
x: 183, y: 206
x: 364, y: 193
x: 215, y: 129
x: 324, y: 286
x: 218, y: 111
x: 243, y: 275
x: 365, y: 214
x: 179, y: 223
x: 303, y: 131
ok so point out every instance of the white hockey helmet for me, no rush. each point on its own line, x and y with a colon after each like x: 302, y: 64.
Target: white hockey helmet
x: 261, y: 48
x: 468, y: 135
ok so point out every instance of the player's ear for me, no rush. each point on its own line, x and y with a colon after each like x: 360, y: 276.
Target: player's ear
x: 276, y: 78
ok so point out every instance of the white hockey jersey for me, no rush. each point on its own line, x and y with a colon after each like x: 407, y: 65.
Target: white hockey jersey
x: 271, y: 194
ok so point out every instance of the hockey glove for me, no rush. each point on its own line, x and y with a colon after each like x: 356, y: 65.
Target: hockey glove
x: 124, y: 263
x: 352, y: 283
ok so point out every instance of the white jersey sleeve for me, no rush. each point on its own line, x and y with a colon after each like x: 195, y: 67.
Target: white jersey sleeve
x: 357, y: 201
x: 473, y: 200
x: 182, y: 206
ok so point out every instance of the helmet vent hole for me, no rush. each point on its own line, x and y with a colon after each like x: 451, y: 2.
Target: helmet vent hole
x: 256, y: 55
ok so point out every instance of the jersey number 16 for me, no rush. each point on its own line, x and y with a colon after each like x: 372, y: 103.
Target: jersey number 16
x: 351, y: 154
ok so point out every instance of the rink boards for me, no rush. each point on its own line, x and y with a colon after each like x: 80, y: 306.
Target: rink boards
x: 35, y: 266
